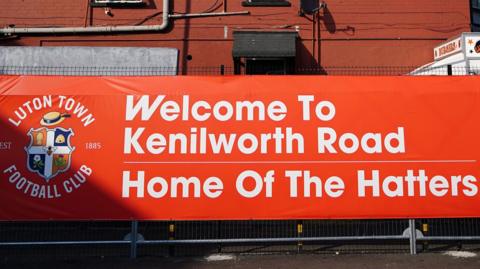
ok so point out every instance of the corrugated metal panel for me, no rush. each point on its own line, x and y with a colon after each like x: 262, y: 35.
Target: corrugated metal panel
x: 78, y: 59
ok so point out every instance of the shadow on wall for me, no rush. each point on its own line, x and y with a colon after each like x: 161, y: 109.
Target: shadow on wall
x: 10, y: 41
x: 331, y: 26
x: 309, y: 60
x: 328, y: 21
x: 306, y: 62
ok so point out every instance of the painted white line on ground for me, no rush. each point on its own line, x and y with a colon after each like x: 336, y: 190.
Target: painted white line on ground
x: 460, y: 254
x: 219, y: 257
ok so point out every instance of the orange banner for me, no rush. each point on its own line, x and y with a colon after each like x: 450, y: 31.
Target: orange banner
x: 245, y: 147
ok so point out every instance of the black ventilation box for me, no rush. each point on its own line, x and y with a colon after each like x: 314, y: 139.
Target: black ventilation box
x: 309, y: 6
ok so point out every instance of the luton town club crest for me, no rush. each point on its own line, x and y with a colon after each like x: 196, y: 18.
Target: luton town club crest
x: 50, y: 151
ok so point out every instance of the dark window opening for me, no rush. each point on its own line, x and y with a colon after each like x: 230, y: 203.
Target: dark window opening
x: 266, y: 3
x: 475, y: 15
x: 268, y: 66
x: 264, y: 66
x: 117, y: 3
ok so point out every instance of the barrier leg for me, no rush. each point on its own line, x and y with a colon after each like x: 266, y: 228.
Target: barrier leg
x: 171, y: 236
x: 133, y: 240
x: 425, y: 233
x: 299, y: 234
x: 413, y: 237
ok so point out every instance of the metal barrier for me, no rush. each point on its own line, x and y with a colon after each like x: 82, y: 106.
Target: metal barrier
x: 179, y: 238
x: 227, y: 70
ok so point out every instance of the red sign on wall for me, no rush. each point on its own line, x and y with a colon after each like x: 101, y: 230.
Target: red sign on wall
x: 205, y: 148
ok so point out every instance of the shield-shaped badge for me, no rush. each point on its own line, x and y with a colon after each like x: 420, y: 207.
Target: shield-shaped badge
x: 49, y: 152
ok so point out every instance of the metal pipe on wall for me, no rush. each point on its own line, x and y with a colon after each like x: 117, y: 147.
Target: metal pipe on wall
x: 115, y: 29
x: 192, y: 15
x: 96, y: 29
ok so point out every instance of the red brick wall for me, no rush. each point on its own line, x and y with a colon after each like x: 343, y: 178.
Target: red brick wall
x: 352, y: 33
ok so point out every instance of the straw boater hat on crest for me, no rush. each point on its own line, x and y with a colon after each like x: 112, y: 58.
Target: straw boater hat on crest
x: 53, y: 118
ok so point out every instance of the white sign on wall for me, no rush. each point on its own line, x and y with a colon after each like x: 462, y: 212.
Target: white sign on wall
x: 448, y: 48
x: 472, y: 46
